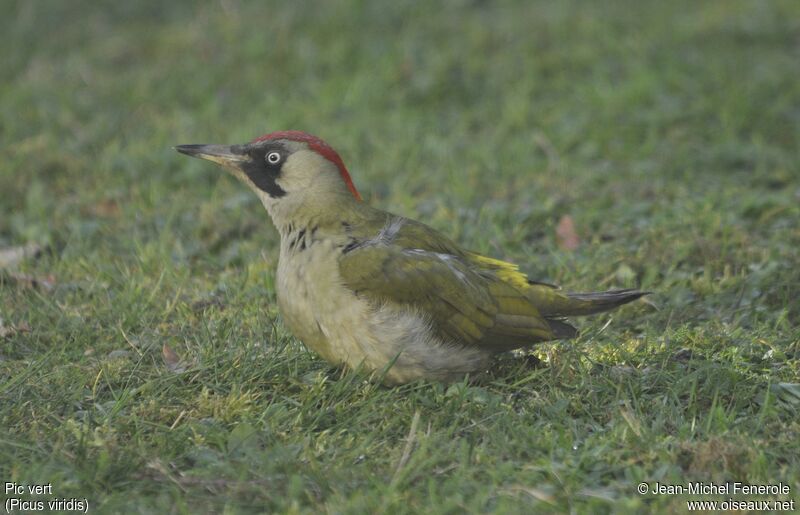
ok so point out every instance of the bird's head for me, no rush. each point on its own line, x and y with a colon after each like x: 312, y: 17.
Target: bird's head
x: 288, y: 170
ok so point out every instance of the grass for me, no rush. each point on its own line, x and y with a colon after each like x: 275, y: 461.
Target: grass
x: 668, y: 131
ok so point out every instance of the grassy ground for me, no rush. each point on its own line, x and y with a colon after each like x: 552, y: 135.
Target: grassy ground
x: 669, y: 132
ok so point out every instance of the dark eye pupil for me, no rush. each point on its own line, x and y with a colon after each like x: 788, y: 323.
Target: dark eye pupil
x: 273, y: 157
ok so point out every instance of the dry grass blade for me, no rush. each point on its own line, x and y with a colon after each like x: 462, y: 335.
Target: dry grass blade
x: 410, y: 439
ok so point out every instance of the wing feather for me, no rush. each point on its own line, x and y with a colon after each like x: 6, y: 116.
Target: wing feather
x: 462, y: 304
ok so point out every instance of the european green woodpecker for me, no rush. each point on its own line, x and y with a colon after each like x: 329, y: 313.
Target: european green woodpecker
x: 365, y: 288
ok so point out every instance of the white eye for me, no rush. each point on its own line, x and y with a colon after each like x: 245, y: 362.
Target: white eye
x: 273, y: 158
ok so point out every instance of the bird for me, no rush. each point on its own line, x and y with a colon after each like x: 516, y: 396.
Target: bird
x: 382, y: 293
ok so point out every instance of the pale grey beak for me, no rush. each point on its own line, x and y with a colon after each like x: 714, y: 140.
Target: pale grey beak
x: 225, y: 155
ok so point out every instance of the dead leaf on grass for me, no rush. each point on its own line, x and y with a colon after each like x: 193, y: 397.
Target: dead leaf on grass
x: 11, y: 256
x: 106, y: 208
x: 46, y: 283
x: 172, y: 360
x: 566, y: 236
x: 13, y: 329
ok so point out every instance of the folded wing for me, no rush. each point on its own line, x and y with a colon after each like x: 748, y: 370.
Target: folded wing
x: 463, y: 304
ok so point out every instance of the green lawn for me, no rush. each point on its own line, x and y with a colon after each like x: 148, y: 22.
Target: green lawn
x: 668, y: 131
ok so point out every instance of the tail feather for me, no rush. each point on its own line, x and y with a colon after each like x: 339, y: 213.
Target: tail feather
x: 597, y: 302
x: 553, y: 303
x: 579, y: 304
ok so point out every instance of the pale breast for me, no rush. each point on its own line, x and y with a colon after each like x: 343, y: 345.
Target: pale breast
x: 307, y: 290
x: 346, y: 329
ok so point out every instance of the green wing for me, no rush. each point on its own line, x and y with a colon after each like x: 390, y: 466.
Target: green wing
x: 464, y: 304
x: 468, y: 297
x: 548, y: 299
